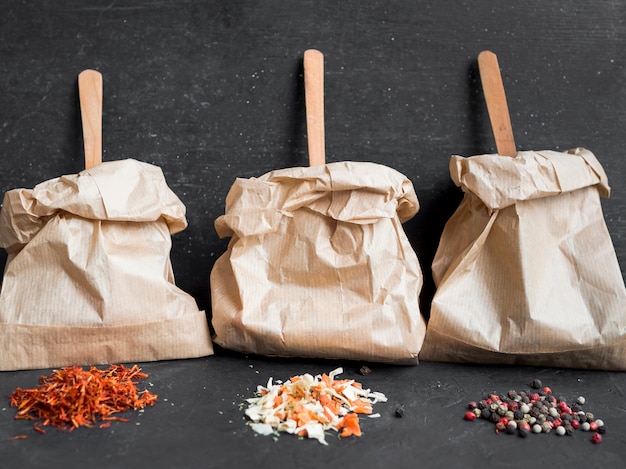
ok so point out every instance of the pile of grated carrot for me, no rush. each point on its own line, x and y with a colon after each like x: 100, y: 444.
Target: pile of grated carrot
x: 309, y: 405
x: 72, y: 397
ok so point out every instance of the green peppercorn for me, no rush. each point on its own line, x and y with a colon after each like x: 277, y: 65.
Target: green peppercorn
x: 546, y: 427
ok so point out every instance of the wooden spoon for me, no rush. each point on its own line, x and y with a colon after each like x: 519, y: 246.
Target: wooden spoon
x: 90, y: 93
x: 314, y: 96
x: 496, y: 103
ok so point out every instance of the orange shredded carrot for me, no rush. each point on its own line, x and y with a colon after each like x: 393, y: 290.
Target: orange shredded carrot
x: 72, y: 397
x: 349, y: 426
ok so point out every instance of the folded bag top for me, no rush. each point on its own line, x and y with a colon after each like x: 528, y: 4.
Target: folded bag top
x: 318, y: 264
x: 526, y: 272
x: 88, y: 278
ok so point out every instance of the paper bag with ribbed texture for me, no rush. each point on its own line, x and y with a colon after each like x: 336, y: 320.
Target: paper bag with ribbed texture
x: 88, y: 278
x: 526, y: 272
x: 318, y: 265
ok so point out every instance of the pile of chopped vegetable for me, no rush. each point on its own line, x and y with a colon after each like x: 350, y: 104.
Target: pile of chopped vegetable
x: 72, y: 397
x: 308, y: 406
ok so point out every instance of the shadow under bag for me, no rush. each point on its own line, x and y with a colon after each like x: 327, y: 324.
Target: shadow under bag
x: 526, y: 272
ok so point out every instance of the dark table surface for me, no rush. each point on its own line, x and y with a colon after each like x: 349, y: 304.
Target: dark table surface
x: 199, y: 420
x: 211, y: 90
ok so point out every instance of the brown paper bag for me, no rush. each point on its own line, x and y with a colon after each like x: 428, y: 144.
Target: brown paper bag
x: 318, y: 265
x: 525, y: 270
x: 88, y: 278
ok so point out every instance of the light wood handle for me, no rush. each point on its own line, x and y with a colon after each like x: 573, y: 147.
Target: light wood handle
x: 90, y: 94
x: 314, y: 97
x: 495, y: 97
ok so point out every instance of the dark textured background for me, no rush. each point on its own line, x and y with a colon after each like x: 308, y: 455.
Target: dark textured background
x: 212, y: 90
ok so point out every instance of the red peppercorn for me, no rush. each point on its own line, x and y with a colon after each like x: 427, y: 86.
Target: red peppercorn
x: 469, y: 416
x: 524, y: 426
x: 575, y: 424
x: 596, y: 438
x: 503, y: 420
x: 534, y: 397
x: 562, y: 405
x: 547, y: 390
x: 593, y: 426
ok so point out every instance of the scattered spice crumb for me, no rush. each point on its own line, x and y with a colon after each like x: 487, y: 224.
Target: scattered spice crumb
x: 308, y: 406
x: 72, y: 397
x: 399, y: 411
x: 18, y: 437
x: 365, y: 370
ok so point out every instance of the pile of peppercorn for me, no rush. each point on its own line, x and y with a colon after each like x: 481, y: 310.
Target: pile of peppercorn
x: 536, y: 411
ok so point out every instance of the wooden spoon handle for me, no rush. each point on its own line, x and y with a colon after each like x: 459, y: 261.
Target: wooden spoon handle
x: 496, y: 103
x: 314, y: 96
x: 90, y: 93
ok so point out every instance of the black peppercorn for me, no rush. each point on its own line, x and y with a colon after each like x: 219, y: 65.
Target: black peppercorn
x: 399, y: 412
x: 536, y: 384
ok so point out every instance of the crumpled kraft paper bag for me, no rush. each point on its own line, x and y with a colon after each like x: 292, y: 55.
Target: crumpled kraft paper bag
x: 88, y: 279
x: 319, y: 266
x: 526, y: 272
